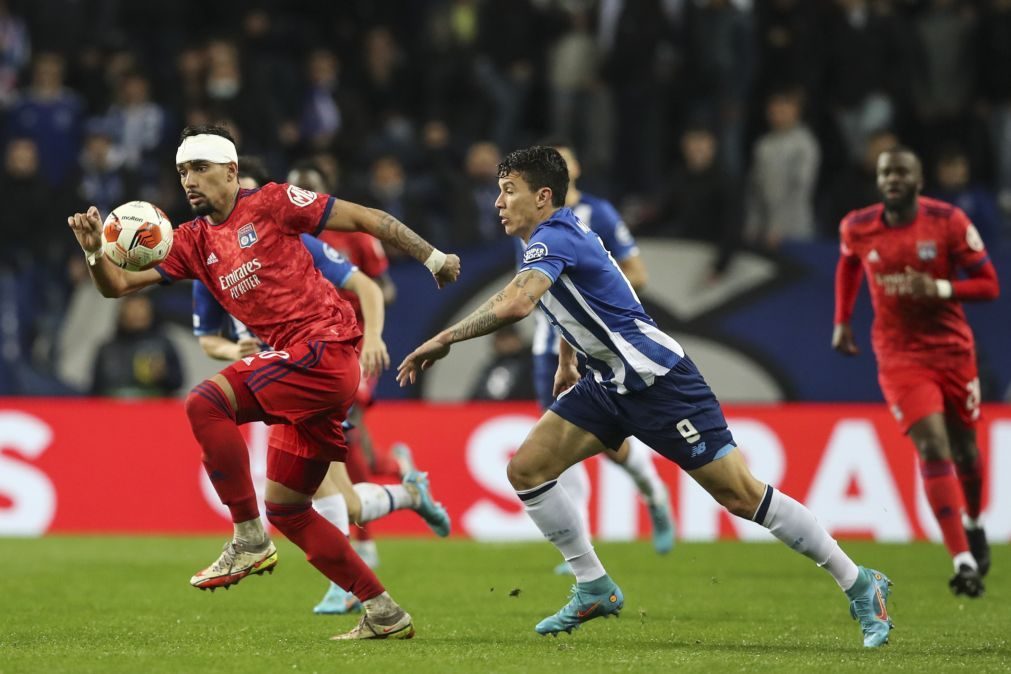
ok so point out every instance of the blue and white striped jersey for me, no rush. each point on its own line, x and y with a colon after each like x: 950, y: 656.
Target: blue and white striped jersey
x: 595, y: 308
x: 210, y: 318
x: 603, y: 218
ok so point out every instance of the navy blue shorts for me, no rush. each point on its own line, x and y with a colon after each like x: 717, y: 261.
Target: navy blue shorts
x: 678, y: 416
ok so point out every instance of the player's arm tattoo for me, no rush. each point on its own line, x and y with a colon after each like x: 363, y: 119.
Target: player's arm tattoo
x: 392, y: 231
x: 509, y: 305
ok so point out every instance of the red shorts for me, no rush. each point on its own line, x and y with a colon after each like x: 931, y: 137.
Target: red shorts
x: 916, y: 391
x: 305, y: 389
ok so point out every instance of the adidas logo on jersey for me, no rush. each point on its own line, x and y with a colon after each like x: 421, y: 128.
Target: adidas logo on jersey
x: 211, y: 259
x: 873, y: 256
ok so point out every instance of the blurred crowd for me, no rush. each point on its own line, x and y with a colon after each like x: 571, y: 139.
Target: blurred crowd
x: 738, y: 122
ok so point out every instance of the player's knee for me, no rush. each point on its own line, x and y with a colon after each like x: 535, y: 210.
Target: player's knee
x: 206, y: 400
x: 740, y: 502
x: 287, y: 515
x: 933, y: 448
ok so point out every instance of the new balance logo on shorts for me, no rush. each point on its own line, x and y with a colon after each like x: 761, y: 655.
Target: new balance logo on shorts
x: 699, y: 449
x: 211, y: 259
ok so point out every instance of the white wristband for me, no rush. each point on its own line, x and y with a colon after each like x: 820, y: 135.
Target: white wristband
x: 93, y: 258
x: 435, y: 261
x: 944, y: 289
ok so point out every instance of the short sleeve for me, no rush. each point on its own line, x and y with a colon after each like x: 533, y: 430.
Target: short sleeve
x: 336, y: 268
x: 208, y: 316
x: 549, y: 251
x: 614, y: 232
x: 297, y: 210
x: 966, y: 246
x: 180, y: 261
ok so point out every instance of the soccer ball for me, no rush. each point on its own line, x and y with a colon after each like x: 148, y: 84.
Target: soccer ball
x: 137, y: 236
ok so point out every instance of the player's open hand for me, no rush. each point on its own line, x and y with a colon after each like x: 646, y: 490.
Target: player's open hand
x: 842, y: 340
x: 420, y: 359
x: 374, y: 357
x: 87, y: 227
x: 247, y: 346
x: 566, y: 376
x: 450, y: 271
x: 921, y: 285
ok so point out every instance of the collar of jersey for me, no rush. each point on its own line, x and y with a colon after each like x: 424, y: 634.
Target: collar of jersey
x: 243, y: 193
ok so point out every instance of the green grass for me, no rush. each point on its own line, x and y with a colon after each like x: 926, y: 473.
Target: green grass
x: 115, y: 604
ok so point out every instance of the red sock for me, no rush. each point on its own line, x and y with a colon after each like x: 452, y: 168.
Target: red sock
x: 325, y: 547
x: 225, y: 456
x: 944, y: 494
x: 971, y: 477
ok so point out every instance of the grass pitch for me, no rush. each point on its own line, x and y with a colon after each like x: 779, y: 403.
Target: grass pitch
x: 116, y: 604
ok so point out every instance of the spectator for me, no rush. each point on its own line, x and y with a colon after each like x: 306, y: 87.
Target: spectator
x: 508, y: 375
x: 137, y: 125
x: 388, y: 189
x: 15, y: 50
x: 857, y: 183
x: 995, y: 88
x: 954, y: 184
x: 49, y: 114
x: 103, y: 181
x: 27, y: 201
x: 139, y: 361
x: 475, y: 217
x: 781, y: 184
x: 700, y: 199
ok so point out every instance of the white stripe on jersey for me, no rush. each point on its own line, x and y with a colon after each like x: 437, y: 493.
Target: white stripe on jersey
x: 620, y: 349
x: 587, y: 342
x: 545, y: 336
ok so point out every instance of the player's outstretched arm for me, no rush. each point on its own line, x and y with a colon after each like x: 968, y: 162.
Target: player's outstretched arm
x: 374, y: 357
x: 110, y: 280
x: 511, y: 304
x: 351, y: 217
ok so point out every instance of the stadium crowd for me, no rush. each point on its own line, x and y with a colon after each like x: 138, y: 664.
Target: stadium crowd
x: 738, y: 122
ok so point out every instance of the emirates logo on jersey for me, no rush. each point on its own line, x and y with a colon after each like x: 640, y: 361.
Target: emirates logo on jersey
x: 926, y: 250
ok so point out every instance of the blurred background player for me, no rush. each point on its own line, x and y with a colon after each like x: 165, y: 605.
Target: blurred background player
x: 638, y: 381
x: 603, y: 219
x: 223, y: 337
x: 912, y: 248
x: 306, y: 388
x: 365, y: 462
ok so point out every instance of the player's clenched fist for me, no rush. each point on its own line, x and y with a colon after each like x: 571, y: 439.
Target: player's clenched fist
x: 87, y: 227
x: 449, y: 272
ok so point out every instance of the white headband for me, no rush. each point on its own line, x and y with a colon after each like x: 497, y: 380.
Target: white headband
x: 206, y: 147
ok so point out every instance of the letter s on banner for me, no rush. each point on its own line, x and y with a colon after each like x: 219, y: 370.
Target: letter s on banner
x: 28, y: 488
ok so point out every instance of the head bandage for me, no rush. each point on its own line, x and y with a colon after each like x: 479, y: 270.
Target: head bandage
x: 206, y: 147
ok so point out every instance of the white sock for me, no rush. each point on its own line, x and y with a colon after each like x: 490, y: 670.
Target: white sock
x: 795, y: 525
x: 334, y: 510
x: 576, y: 481
x: 964, y: 558
x: 551, y: 509
x: 640, y: 467
x: 970, y: 523
x: 379, y: 500
x: 250, y: 531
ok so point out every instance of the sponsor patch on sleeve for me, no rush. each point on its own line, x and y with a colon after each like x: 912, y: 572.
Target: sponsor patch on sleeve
x: 973, y: 239
x: 301, y: 197
x: 534, y: 252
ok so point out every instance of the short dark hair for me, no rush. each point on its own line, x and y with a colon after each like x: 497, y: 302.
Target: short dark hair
x: 540, y: 166
x: 901, y: 149
x: 201, y: 129
x: 251, y: 166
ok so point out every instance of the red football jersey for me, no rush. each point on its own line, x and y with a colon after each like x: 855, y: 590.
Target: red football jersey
x: 257, y: 268
x: 363, y: 251
x: 939, y: 241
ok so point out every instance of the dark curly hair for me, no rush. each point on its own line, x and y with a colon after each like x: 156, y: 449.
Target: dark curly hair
x: 540, y: 166
x: 201, y: 129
